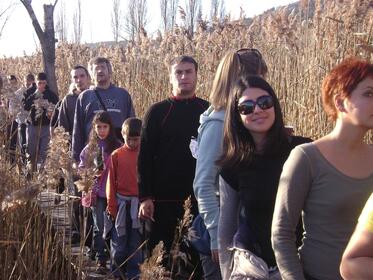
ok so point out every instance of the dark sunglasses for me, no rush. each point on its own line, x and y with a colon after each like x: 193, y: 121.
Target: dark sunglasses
x: 245, y: 51
x: 248, y: 106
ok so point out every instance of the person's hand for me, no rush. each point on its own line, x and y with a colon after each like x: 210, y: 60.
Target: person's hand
x: 146, y: 210
x: 97, y: 173
x: 215, y: 255
x: 110, y: 216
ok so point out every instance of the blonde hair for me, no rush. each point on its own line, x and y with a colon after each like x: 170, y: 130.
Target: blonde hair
x: 231, y: 67
x: 227, y: 73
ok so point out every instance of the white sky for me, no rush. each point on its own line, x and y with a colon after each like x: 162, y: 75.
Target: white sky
x: 19, y: 37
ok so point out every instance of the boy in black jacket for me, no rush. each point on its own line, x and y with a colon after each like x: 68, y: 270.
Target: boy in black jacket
x: 41, y: 105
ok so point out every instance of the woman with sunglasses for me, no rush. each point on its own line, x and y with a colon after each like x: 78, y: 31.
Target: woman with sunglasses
x: 255, y: 147
x: 210, y: 135
x: 328, y: 181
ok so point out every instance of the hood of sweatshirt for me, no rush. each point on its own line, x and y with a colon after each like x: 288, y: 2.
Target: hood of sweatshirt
x: 210, y: 115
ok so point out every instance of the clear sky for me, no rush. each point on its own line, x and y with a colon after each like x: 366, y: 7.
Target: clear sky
x: 19, y: 37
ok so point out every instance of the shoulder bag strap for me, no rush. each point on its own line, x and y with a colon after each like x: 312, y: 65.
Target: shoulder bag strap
x: 99, y: 99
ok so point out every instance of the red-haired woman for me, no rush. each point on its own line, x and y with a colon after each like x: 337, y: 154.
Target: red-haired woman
x: 327, y: 181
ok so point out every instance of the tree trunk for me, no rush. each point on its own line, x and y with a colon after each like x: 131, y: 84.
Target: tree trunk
x: 49, y: 48
x: 47, y: 40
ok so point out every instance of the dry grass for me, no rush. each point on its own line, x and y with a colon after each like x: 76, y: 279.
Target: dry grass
x: 298, y: 45
x: 30, y: 248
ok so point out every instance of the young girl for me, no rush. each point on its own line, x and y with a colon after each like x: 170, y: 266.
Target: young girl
x: 327, y: 181
x: 102, y: 141
x: 255, y: 147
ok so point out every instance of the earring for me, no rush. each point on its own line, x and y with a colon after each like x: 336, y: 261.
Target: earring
x: 340, y: 107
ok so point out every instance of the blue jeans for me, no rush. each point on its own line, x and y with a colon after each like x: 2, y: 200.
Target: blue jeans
x: 123, y: 247
x: 98, y: 212
x: 37, y: 138
x: 211, y: 269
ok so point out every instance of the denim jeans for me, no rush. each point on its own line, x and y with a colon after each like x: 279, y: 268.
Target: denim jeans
x: 37, y: 141
x: 123, y: 247
x: 98, y: 212
x: 211, y: 269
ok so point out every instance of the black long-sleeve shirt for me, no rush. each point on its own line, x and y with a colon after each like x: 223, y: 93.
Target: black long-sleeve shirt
x: 165, y: 164
x: 257, y: 187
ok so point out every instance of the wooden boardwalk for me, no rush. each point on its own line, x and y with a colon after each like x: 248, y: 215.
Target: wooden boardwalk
x: 61, y: 219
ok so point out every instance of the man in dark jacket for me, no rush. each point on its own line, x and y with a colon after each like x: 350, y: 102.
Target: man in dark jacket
x: 165, y: 164
x: 80, y: 82
x: 64, y: 116
x: 40, y: 104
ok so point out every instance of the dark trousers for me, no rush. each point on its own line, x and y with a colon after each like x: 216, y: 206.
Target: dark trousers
x: 98, y: 213
x: 211, y: 269
x: 22, y: 137
x: 89, y: 228
x: 126, y: 246
x: 166, y: 215
x: 12, y: 138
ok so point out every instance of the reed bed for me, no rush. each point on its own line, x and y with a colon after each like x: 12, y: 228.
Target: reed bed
x: 30, y: 247
x: 300, y: 44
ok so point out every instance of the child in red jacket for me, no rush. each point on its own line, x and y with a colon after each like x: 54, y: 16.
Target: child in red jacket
x: 123, y: 203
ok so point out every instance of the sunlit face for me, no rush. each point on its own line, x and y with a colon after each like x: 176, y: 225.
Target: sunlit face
x: 259, y: 121
x: 13, y: 84
x: 132, y: 142
x: 102, y: 130
x: 101, y: 73
x: 80, y: 78
x: 27, y: 82
x: 183, y: 78
x: 41, y: 85
x: 358, y: 107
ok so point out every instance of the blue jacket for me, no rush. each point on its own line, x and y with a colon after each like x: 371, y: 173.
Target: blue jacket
x: 206, y: 180
x: 118, y: 103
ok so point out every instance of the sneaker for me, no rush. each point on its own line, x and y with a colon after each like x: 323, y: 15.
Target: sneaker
x: 75, y: 238
x: 91, y: 254
x: 101, y: 267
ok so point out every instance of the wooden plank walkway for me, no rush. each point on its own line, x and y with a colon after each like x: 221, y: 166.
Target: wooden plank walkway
x: 61, y: 219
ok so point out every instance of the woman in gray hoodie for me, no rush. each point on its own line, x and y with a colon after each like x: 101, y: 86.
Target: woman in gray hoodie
x: 210, y: 136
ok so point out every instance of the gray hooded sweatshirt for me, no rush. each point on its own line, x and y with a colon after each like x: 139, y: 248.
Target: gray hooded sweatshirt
x: 206, y: 180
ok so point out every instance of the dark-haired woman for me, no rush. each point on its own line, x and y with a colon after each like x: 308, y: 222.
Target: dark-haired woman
x: 328, y: 181
x: 255, y: 147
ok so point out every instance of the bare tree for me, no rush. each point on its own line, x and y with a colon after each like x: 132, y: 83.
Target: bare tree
x: 164, y: 5
x: 116, y: 20
x: 77, y: 22
x: 172, y: 14
x: 47, y: 40
x: 5, y: 15
x: 61, y: 24
x: 136, y: 18
x: 214, y: 9
x: 192, y: 8
x: 222, y: 10
x: 217, y: 10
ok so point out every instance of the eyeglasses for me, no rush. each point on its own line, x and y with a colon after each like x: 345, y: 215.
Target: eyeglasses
x: 245, y: 51
x: 248, y: 106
